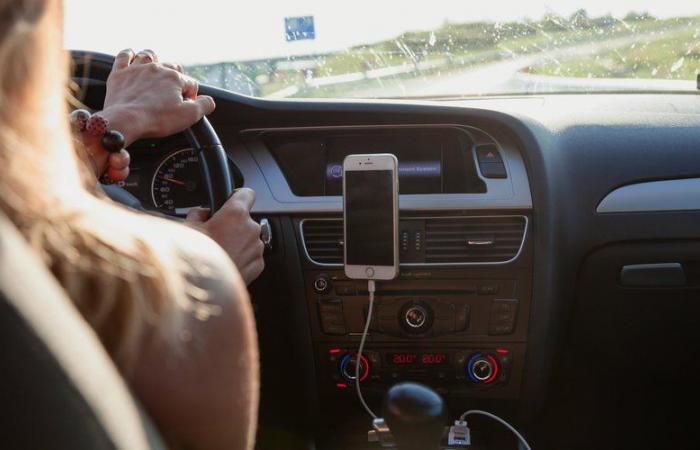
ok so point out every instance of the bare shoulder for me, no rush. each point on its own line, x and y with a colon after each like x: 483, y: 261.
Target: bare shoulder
x: 218, y: 296
x: 205, y: 263
x: 204, y: 390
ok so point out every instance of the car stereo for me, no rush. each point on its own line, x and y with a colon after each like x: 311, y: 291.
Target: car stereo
x: 435, y: 326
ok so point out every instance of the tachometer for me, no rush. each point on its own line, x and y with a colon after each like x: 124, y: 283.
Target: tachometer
x: 177, y: 183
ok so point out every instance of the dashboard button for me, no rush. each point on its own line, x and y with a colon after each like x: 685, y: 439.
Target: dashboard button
x: 330, y: 305
x: 488, y: 154
x: 388, y: 309
x: 468, y: 288
x: 347, y: 367
x: 443, y: 326
x: 321, y: 284
x: 345, y: 289
x: 493, y: 170
x: 374, y: 358
x: 331, y: 328
x: 500, y: 329
x: 335, y: 318
x: 462, y: 317
x: 330, y: 312
x: 443, y: 310
x: 503, y: 316
x: 488, y: 289
x: 389, y: 325
x: 416, y: 316
x: 460, y: 360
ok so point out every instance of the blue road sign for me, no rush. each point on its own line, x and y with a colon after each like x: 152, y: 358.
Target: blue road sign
x: 299, y: 28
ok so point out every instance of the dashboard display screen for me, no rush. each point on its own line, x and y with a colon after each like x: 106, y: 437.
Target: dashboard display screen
x: 415, y: 175
x: 421, y: 162
x: 411, y: 172
x: 369, y: 218
x: 431, y: 160
x: 417, y: 359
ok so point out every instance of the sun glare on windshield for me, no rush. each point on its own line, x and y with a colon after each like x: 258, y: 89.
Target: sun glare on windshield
x: 442, y: 49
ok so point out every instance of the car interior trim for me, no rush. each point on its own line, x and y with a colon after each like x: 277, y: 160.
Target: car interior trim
x: 652, y: 196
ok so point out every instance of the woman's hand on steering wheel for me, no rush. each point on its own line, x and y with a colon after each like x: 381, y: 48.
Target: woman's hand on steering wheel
x: 235, y: 231
x: 146, y: 98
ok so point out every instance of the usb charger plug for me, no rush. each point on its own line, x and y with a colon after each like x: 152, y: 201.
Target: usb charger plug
x: 459, y: 434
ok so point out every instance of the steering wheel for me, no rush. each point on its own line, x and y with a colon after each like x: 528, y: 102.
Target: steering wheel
x: 216, y: 173
x: 92, y: 69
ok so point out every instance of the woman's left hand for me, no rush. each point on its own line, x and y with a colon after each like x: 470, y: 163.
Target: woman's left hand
x: 146, y: 98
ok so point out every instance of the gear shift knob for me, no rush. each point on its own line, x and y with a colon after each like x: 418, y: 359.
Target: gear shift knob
x: 415, y: 415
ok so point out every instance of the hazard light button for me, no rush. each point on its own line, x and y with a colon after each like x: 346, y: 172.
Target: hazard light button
x: 490, y: 162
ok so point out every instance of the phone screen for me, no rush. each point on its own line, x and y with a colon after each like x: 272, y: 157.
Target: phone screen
x: 369, y: 239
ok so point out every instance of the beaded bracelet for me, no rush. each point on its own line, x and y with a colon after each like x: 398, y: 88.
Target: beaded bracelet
x: 112, y: 141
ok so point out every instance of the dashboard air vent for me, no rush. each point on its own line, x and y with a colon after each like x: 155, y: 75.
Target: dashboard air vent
x: 476, y: 240
x: 447, y: 240
x: 323, y: 240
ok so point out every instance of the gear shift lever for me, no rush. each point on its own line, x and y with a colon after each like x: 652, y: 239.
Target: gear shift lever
x: 416, y: 416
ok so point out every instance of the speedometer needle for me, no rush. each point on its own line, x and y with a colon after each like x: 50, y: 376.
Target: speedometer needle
x: 174, y: 181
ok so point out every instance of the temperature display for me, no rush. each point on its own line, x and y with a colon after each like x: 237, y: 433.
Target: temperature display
x: 401, y: 359
x: 417, y: 359
x: 434, y: 358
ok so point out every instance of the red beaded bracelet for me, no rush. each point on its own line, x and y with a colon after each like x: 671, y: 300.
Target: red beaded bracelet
x: 112, y: 141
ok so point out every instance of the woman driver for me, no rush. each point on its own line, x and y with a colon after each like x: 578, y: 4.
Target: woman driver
x: 165, y: 299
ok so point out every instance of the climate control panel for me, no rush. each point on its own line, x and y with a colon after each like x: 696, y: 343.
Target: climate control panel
x: 443, y: 368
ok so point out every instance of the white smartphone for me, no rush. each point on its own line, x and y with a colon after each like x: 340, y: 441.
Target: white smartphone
x: 370, y: 212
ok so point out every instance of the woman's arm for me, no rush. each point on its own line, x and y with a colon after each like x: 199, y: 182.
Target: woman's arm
x: 146, y: 98
x: 204, y: 395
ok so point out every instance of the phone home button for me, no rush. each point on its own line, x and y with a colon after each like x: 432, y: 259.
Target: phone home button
x: 369, y: 272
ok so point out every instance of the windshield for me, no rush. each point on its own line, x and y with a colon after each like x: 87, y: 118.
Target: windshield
x: 384, y: 48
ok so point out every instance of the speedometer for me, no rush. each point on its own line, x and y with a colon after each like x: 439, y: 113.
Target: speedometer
x: 177, y: 183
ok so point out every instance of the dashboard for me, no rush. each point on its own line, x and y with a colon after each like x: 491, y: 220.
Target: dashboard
x: 518, y: 218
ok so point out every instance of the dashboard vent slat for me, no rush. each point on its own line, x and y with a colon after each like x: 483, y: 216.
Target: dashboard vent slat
x: 323, y: 240
x: 495, y: 239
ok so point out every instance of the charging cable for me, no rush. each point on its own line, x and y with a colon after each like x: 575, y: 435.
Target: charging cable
x: 459, y: 432
x: 358, y: 359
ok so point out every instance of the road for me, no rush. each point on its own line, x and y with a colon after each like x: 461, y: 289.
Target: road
x: 507, y: 76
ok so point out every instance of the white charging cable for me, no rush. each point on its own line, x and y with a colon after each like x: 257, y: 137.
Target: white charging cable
x: 463, y: 424
x: 358, y: 359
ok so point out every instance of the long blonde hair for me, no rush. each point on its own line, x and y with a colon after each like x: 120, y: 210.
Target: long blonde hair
x: 121, y: 268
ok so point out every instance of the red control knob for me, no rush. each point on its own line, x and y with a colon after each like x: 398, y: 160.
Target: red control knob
x: 346, y: 367
x: 482, y: 368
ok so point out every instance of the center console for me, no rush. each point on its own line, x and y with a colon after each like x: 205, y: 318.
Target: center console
x: 456, y: 318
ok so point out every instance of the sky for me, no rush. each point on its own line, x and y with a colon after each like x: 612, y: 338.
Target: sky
x: 207, y: 31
